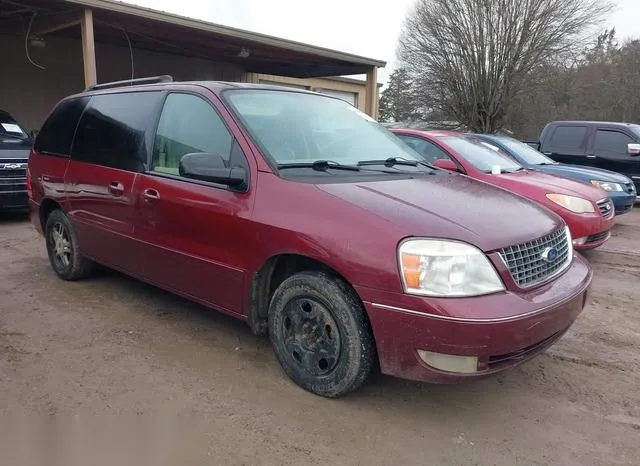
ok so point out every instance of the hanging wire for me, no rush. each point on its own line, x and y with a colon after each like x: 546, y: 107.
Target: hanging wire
x: 26, y: 42
x: 130, y: 52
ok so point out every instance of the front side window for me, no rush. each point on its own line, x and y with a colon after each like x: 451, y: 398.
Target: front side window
x: 56, y: 135
x: 295, y: 127
x: 115, y: 130
x: 426, y: 149
x: 612, y: 143
x: 188, y: 124
x: 479, y: 154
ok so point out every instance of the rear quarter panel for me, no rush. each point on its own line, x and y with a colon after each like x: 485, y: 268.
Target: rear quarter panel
x: 47, y: 182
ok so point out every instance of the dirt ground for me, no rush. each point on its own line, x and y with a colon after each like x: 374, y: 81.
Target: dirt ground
x: 130, y: 371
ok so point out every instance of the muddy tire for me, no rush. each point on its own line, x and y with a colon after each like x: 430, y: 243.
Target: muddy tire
x: 320, y: 334
x: 62, y: 248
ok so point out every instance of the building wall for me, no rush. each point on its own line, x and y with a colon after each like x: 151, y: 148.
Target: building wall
x: 29, y: 93
x: 319, y: 84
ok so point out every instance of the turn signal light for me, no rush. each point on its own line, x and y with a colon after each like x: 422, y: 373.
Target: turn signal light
x: 411, y: 270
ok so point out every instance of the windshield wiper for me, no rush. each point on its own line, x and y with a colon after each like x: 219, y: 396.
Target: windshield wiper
x: 320, y: 165
x: 392, y: 161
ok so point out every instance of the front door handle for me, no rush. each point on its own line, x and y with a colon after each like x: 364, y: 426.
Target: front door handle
x: 116, y: 188
x: 591, y: 156
x: 547, y: 153
x: 151, y: 194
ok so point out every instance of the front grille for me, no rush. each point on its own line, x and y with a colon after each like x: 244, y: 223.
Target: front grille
x: 598, y: 237
x: 538, y: 260
x: 4, y: 173
x: 606, y: 208
x: 629, y: 188
x: 13, y: 172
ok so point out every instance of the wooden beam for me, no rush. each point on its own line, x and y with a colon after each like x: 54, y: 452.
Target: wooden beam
x: 57, y: 27
x: 88, y: 48
x: 371, y: 93
x: 43, y: 23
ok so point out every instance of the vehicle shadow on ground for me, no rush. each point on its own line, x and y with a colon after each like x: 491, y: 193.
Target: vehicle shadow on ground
x: 13, y: 217
x: 206, y: 330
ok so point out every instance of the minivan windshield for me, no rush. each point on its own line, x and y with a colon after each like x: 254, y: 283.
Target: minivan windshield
x: 525, y: 152
x: 479, y: 154
x: 302, y: 128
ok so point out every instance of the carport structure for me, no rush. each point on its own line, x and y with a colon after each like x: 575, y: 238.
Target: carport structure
x: 115, y: 41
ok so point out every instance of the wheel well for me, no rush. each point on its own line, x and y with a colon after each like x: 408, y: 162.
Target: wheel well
x: 46, y: 208
x: 266, y: 280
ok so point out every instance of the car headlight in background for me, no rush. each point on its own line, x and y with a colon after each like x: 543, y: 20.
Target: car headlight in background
x: 444, y: 268
x: 607, y: 186
x: 572, y: 203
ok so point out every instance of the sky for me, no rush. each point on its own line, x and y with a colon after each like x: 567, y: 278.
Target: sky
x: 364, y: 27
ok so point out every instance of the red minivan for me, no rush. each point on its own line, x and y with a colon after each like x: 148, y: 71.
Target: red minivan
x: 302, y: 216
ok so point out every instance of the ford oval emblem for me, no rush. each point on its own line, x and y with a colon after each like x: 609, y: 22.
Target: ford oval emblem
x: 550, y: 255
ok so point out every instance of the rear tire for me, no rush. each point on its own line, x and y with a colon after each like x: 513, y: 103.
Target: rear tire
x: 320, y: 334
x: 63, y: 250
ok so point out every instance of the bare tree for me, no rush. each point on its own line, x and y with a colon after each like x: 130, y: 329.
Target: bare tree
x: 471, y: 57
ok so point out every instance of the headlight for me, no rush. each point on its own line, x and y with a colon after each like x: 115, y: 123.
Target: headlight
x: 432, y: 267
x: 607, y: 186
x: 574, y: 204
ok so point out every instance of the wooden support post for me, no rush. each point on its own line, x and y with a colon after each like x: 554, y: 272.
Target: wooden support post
x: 371, y: 93
x: 88, y: 48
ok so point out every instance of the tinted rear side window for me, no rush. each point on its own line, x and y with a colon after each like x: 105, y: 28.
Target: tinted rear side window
x: 116, y: 130
x: 56, y: 134
x: 568, y: 137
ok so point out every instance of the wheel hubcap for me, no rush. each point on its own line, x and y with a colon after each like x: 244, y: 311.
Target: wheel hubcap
x: 61, y: 244
x: 311, y: 336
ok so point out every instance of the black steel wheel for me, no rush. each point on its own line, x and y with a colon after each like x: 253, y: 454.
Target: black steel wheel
x: 320, y: 334
x: 62, y: 248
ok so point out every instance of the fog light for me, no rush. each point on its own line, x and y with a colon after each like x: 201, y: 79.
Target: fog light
x: 449, y: 362
x: 580, y: 241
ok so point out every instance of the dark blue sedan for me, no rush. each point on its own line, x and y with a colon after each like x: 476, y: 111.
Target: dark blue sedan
x: 620, y: 188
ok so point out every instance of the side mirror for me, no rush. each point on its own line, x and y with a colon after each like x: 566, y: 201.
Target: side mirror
x: 633, y: 149
x: 446, y: 164
x: 211, y: 167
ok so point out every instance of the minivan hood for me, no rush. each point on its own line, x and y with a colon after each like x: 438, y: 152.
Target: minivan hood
x: 537, y: 185
x: 450, y: 206
x: 585, y: 173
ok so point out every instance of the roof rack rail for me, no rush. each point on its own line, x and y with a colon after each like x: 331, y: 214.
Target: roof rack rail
x: 131, y: 82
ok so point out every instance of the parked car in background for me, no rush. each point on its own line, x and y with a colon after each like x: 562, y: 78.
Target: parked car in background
x: 587, y: 210
x: 260, y: 202
x: 15, y: 144
x: 620, y: 189
x: 607, y: 145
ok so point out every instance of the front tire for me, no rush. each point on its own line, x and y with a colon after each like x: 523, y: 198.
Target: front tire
x: 62, y: 248
x: 320, y: 334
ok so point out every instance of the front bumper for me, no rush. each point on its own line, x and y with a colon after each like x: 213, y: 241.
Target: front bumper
x: 623, y: 202
x: 500, y: 330
x: 14, y: 200
x: 594, y: 229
